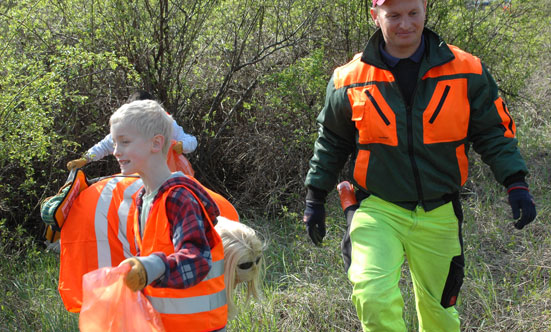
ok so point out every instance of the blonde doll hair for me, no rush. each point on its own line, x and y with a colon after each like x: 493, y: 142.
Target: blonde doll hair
x: 241, y: 245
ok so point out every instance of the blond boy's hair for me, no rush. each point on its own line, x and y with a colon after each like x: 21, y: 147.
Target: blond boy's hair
x: 148, y: 117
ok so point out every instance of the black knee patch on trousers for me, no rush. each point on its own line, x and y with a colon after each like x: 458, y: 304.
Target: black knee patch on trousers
x: 454, y: 282
x: 457, y: 265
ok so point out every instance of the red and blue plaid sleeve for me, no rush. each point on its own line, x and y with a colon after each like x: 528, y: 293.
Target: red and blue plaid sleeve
x: 191, y: 260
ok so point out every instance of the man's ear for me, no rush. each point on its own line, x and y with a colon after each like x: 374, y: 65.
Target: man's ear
x: 157, y: 143
x: 373, y: 13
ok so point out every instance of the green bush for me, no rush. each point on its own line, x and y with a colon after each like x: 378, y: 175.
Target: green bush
x: 246, y: 78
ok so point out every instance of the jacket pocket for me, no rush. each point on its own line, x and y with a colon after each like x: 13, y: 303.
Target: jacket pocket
x: 446, y: 118
x: 374, y: 119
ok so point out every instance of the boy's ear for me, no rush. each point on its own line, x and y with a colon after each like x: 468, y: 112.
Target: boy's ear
x: 158, y: 142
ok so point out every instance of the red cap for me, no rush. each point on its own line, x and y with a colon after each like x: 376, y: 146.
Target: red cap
x: 378, y: 2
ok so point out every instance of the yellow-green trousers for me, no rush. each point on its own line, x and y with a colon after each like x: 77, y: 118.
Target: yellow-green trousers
x: 382, y: 236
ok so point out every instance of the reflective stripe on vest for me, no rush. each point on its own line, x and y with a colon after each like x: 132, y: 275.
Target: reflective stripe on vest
x: 101, y: 224
x: 95, y: 233
x: 216, y: 270
x: 189, y: 305
x: 123, y: 212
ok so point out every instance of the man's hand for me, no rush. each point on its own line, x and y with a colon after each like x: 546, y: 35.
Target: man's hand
x: 77, y: 163
x: 520, y: 199
x: 178, y: 147
x: 136, y: 279
x: 314, y: 218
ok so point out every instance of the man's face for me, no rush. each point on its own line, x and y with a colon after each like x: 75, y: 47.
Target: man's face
x: 401, y: 22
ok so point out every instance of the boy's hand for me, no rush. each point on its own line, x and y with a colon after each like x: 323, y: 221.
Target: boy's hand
x: 178, y: 147
x: 77, y: 163
x: 136, y: 279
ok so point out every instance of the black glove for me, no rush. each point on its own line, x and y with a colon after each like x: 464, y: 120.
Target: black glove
x: 520, y: 199
x: 314, y: 218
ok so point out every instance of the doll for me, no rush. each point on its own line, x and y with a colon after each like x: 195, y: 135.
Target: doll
x: 243, y: 260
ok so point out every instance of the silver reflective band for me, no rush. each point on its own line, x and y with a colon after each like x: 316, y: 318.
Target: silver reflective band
x: 101, y: 223
x: 216, y: 270
x: 188, y: 305
x: 124, y: 208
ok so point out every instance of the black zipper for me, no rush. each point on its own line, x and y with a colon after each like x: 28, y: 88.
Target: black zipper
x: 440, y: 104
x: 374, y: 102
x: 415, y: 169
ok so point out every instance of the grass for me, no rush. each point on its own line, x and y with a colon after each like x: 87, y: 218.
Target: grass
x: 507, y: 283
x: 28, y: 287
x: 506, y: 286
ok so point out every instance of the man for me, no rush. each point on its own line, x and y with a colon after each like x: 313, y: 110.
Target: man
x: 407, y: 110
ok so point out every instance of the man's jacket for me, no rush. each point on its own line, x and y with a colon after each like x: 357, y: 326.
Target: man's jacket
x: 413, y: 154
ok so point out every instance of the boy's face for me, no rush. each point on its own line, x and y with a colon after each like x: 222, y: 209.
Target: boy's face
x: 132, y: 150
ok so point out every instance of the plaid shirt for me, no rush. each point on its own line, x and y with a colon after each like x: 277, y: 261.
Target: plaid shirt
x: 191, y: 261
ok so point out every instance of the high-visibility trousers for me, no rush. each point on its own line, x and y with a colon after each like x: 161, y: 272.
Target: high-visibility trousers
x: 383, y: 235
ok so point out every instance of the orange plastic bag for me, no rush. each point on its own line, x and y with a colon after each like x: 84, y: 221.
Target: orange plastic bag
x: 177, y: 162
x: 108, y: 305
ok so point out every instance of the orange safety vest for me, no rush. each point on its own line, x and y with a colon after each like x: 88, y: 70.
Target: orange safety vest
x: 99, y: 232
x: 95, y: 233
x: 198, y: 308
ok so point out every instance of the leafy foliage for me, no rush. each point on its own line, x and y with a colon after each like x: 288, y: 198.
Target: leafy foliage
x: 246, y: 77
x: 53, y: 89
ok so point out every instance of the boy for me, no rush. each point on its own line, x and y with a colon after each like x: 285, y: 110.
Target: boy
x: 185, y: 143
x: 180, y: 261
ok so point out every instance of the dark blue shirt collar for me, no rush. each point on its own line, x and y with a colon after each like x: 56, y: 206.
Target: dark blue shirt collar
x: 393, y: 61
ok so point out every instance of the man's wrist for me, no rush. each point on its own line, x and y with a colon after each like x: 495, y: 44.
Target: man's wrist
x: 316, y: 196
x: 517, y: 185
x: 515, y: 178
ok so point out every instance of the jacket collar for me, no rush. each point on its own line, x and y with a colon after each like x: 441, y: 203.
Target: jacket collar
x: 436, y: 52
x: 392, y: 61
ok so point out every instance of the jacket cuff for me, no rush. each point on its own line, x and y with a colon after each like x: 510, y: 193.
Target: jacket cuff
x: 517, y: 185
x: 316, y: 195
x: 154, y: 267
x: 517, y: 177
